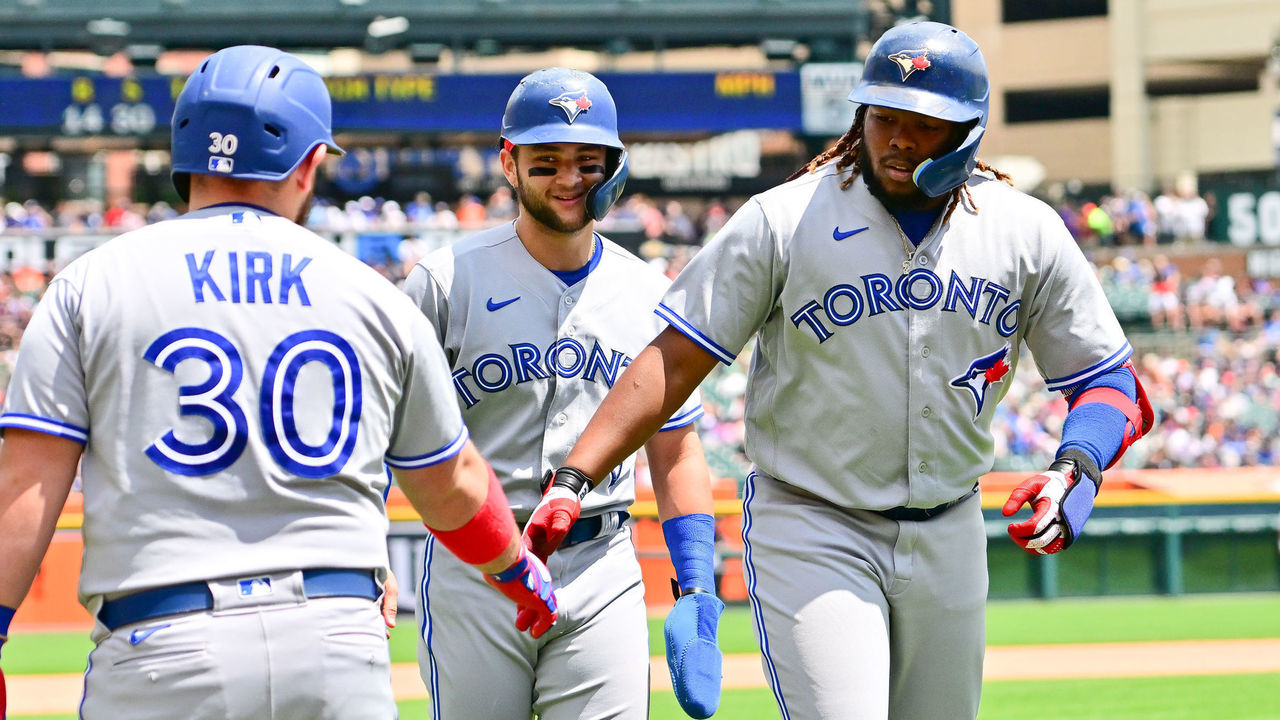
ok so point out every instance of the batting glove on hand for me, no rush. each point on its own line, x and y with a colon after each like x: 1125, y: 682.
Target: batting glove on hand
x: 693, y: 656
x: 528, y: 584
x: 562, y: 493
x: 1061, y: 499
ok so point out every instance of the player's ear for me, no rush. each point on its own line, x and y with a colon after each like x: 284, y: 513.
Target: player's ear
x: 305, y: 174
x: 508, y: 159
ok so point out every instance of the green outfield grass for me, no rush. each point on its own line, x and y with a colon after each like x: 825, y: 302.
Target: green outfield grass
x: 1216, y: 697
x: 1012, y: 622
x: 1226, y: 697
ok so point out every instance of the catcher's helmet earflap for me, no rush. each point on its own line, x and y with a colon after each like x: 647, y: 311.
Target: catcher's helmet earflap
x: 563, y: 105
x: 935, y: 70
x: 249, y: 112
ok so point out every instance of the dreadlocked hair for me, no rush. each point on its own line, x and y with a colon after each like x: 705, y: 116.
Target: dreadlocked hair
x: 849, y: 146
x: 963, y: 190
x: 846, y: 148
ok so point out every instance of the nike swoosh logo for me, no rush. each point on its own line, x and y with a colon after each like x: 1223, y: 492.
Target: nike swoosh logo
x: 491, y: 305
x: 141, y: 634
x: 837, y: 235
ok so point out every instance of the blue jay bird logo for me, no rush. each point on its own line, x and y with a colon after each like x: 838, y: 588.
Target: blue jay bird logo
x: 572, y: 103
x: 982, y: 373
x: 909, y: 61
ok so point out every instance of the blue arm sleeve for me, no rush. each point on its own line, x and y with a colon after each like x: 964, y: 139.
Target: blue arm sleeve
x: 1095, y: 428
x: 691, y: 540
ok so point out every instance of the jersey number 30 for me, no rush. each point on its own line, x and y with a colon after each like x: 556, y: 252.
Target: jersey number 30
x: 213, y: 401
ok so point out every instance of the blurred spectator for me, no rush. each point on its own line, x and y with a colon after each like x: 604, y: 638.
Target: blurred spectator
x: 1165, y: 302
x: 392, y: 217
x: 677, y: 226
x: 1099, y: 223
x: 160, y: 211
x: 501, y: 205
x: 1190, y: 212
x: 470, y: 213
x: 419, y: 210
x: 1212, y: 300
x: 444, y: 218
x: 713, y: 219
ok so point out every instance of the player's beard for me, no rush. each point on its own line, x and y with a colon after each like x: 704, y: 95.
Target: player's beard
x: 539, y: 209
x: 305, y: 211
x: 913, y: 200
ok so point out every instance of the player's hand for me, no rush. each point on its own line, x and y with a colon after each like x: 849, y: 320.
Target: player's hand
x: 1061, y: 499
x: 562, y: 493
x: 390, y: 601
x: 693, y: 655
x: 528, y: 584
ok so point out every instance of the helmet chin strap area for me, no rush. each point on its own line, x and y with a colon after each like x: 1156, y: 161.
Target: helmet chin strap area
x: 939, y: 177
x: 602, y: 197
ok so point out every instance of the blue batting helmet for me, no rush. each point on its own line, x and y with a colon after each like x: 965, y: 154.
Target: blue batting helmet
x: 935, y: 70
x: 249, y: 112
x: 563, y: 105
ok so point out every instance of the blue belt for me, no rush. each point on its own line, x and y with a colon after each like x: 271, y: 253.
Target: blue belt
x: 195, y: 596
x: 902, y: 514
x: 589, y: 528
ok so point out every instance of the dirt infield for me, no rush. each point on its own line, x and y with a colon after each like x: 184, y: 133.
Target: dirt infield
x: 37, y: 694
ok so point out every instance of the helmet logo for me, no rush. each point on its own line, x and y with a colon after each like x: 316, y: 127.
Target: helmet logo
x: 909, y: 61
x: 222, y: 165
x: 572, y: 103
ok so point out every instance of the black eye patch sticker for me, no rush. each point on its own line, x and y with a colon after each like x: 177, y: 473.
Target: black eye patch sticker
x: 591, y: 169
x: 541, y: 171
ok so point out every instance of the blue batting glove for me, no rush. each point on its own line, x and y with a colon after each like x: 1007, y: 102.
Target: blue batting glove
x: 693, y: 656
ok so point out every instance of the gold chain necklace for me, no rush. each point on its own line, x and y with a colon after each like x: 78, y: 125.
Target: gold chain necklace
x: 907, y: 247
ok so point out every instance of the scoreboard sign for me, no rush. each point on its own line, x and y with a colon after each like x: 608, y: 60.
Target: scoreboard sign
x: 91, y: 105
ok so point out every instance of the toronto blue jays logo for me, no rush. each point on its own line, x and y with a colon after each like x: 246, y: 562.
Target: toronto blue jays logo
x: 982, y: 373
x: 572, y: 103
x: 909, y: 61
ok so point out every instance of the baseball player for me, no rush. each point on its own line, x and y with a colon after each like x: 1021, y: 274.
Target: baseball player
x: 890, y: 289
x: 232, y: 385
x: 538, y: 318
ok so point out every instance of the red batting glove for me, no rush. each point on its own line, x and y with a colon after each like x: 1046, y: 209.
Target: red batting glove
x: 562, y: 493
x: 1042, y: 532
x: 528, y: 584
x: 1061, y: 500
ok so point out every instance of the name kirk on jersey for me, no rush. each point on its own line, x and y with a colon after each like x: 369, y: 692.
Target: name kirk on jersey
x: 921, y: 289
x: 257, y: 277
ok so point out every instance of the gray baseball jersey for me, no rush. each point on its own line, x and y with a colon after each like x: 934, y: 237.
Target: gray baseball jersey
x: 873, y: 382
x: 842, y: 328
x: 238, y: 383
x: 532, y: 358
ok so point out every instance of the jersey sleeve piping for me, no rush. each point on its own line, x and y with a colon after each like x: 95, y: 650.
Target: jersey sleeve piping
x: 432, y: 458
x: 45, y: 425
x: 694, y: 334
x: 682, y: 420
x: 1114, y: 361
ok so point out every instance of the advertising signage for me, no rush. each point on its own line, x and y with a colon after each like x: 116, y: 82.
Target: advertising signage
x: 87, y: 106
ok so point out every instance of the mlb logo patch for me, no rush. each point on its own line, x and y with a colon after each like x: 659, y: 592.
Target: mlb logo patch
x: 255, y: 587
x: 221, y: 164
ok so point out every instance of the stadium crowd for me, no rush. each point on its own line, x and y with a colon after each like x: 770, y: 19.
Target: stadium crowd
x: 1216, y: 394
